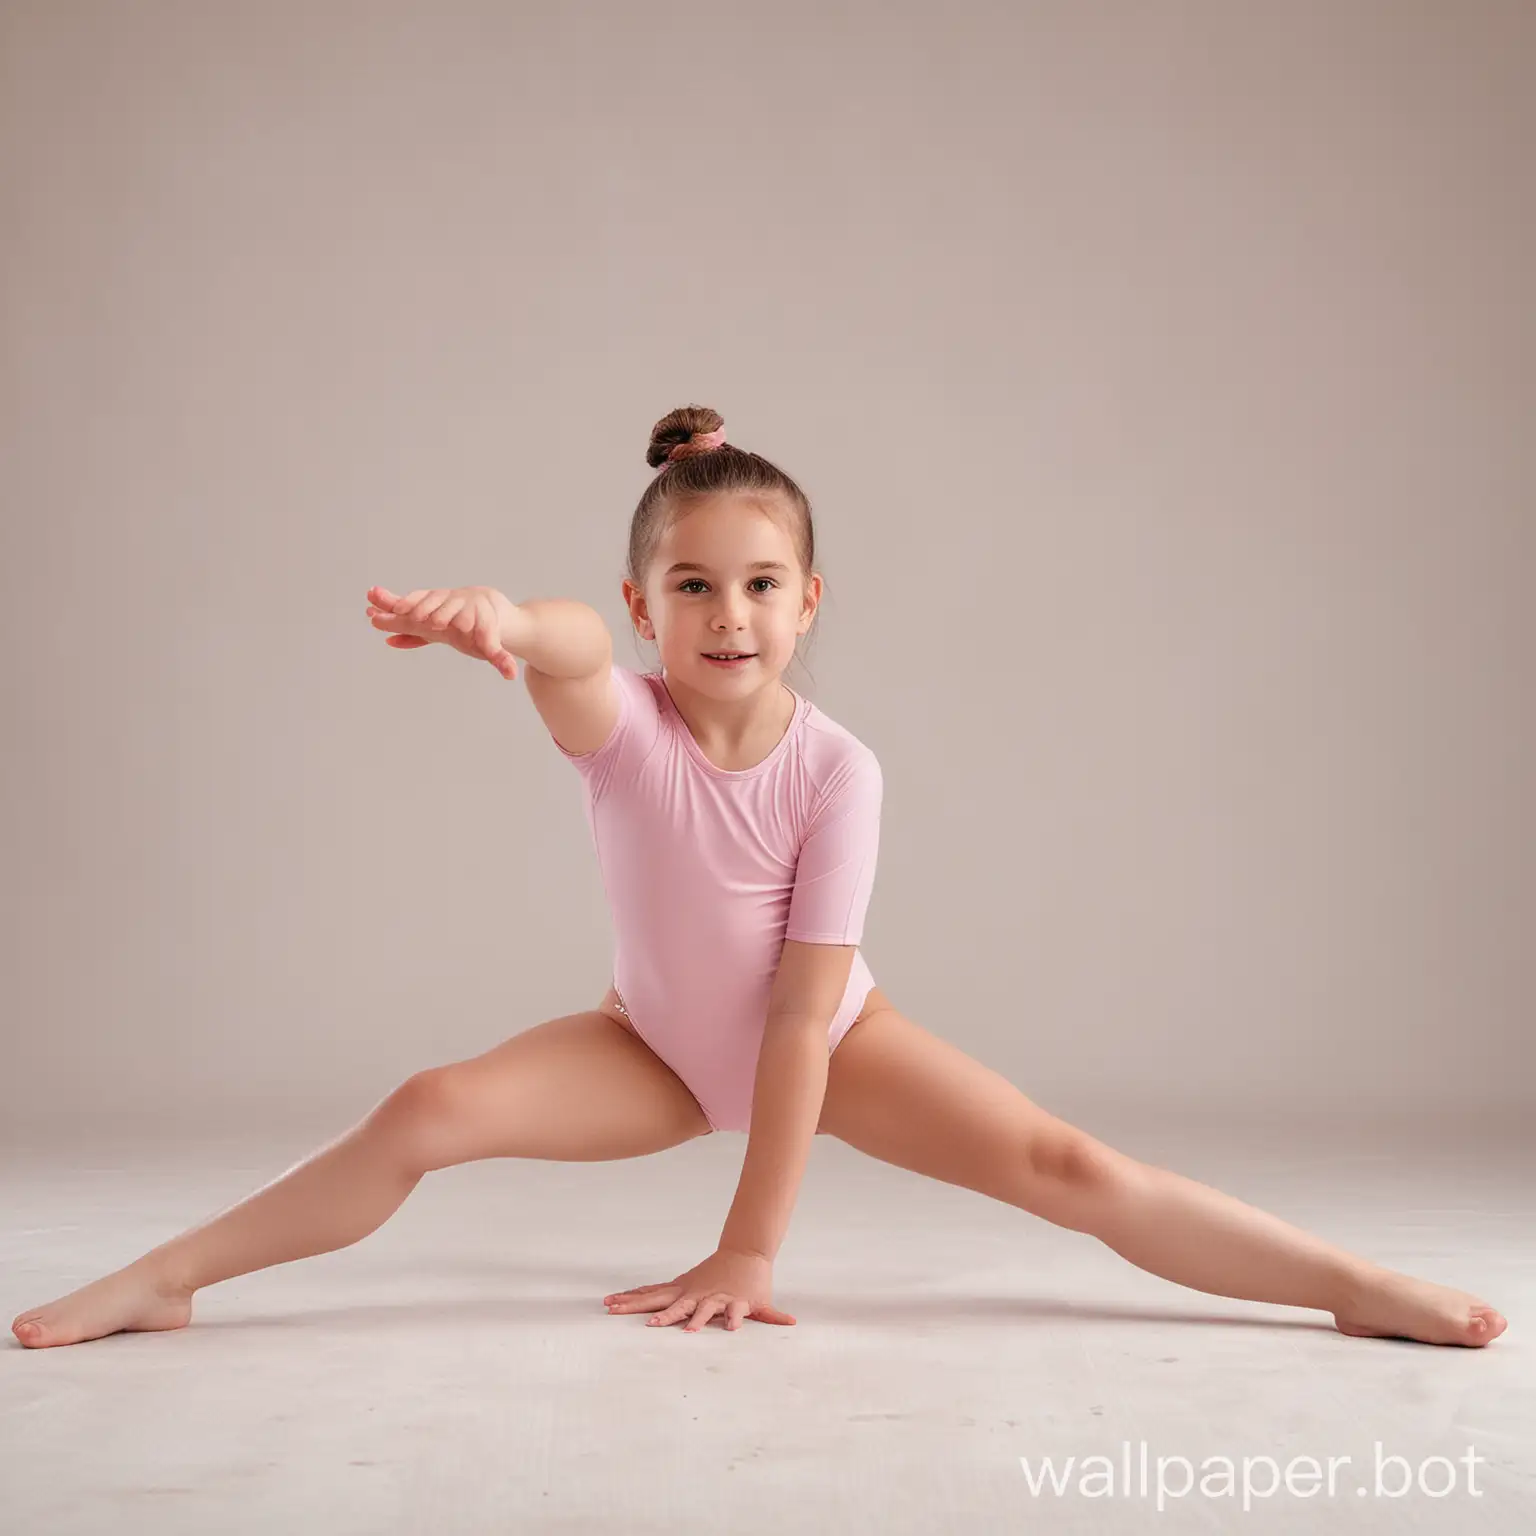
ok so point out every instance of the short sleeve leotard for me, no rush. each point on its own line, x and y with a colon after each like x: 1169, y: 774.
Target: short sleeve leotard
x: 709, y: 870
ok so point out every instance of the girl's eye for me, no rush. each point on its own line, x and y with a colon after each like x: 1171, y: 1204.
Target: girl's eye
x: 695, y: 581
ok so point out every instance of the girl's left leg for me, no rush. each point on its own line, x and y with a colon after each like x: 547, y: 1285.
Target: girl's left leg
x: 910, y: 1098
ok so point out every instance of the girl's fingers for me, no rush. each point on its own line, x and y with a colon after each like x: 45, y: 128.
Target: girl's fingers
x: 646, y: 1299
x: 489, y: 636
x: 446, y: 611
x: 388, y: 606
x: 669, y: 1308
x: 488, y: 641
x: 440, y: 610
x: 706, y: 1310
x: 429, y: 605
x: 393, y: 625
x: 639, y: 1290
x: 772, y: 1315
x: 679, y: 1308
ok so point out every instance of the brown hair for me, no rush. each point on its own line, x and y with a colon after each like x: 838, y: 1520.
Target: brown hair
x: 698, y: 473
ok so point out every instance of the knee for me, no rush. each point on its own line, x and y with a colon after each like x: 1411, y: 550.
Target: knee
x: 417, y: 1116
x: 1071, y: 1178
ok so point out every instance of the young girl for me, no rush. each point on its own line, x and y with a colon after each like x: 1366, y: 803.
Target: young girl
x: 736, y: 828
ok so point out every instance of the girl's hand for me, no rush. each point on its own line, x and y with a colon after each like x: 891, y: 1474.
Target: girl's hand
x: 467, y: 618
x: 739, y: 1284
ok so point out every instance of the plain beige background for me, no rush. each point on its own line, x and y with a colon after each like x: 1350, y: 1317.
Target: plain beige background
x: 1163, y: 377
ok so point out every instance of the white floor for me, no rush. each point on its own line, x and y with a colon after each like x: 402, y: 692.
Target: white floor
x: 456, y: 1371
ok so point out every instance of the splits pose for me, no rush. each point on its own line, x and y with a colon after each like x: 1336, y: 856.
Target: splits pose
x: 736, y: 828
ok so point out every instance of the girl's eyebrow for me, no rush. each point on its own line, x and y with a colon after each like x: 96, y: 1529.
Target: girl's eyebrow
x: 757, y: 565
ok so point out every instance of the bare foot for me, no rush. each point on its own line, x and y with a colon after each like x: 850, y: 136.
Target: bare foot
x: 1394, y: 1306
x: 137, y: 1299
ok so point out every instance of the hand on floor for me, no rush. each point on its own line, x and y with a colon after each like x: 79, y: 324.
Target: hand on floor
x: 738, y: 1284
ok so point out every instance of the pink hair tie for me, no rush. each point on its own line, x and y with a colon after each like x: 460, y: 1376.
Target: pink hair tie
x: 703, y: 441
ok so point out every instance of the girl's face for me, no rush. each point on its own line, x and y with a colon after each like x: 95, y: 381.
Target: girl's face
x: 724, y: 577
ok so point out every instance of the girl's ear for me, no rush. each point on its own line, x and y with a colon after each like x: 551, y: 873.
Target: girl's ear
x: 635, y: 602
x: 810, y: 601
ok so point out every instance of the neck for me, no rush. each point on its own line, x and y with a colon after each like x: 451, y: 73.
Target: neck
x: 734, y: 727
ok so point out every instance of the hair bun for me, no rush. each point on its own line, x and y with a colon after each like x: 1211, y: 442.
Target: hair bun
x: 685, y: 433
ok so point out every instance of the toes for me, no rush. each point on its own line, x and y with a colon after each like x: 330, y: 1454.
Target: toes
x: 1484, y: 1324
x: 29, y: 1332
x: 1481, y: 1326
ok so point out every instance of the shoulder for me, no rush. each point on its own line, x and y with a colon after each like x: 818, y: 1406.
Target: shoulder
x: 828, y: 741
x: 641, y: 694
x: 837, y: 762
x: 636, y: 729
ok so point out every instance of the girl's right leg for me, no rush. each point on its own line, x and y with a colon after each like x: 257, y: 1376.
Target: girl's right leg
x: 579, y: 1088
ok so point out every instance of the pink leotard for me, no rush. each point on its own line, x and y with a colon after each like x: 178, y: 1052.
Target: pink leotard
x: 708, y: 870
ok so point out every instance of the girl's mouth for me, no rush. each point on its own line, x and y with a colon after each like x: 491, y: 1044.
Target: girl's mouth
x: 724, y: 659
